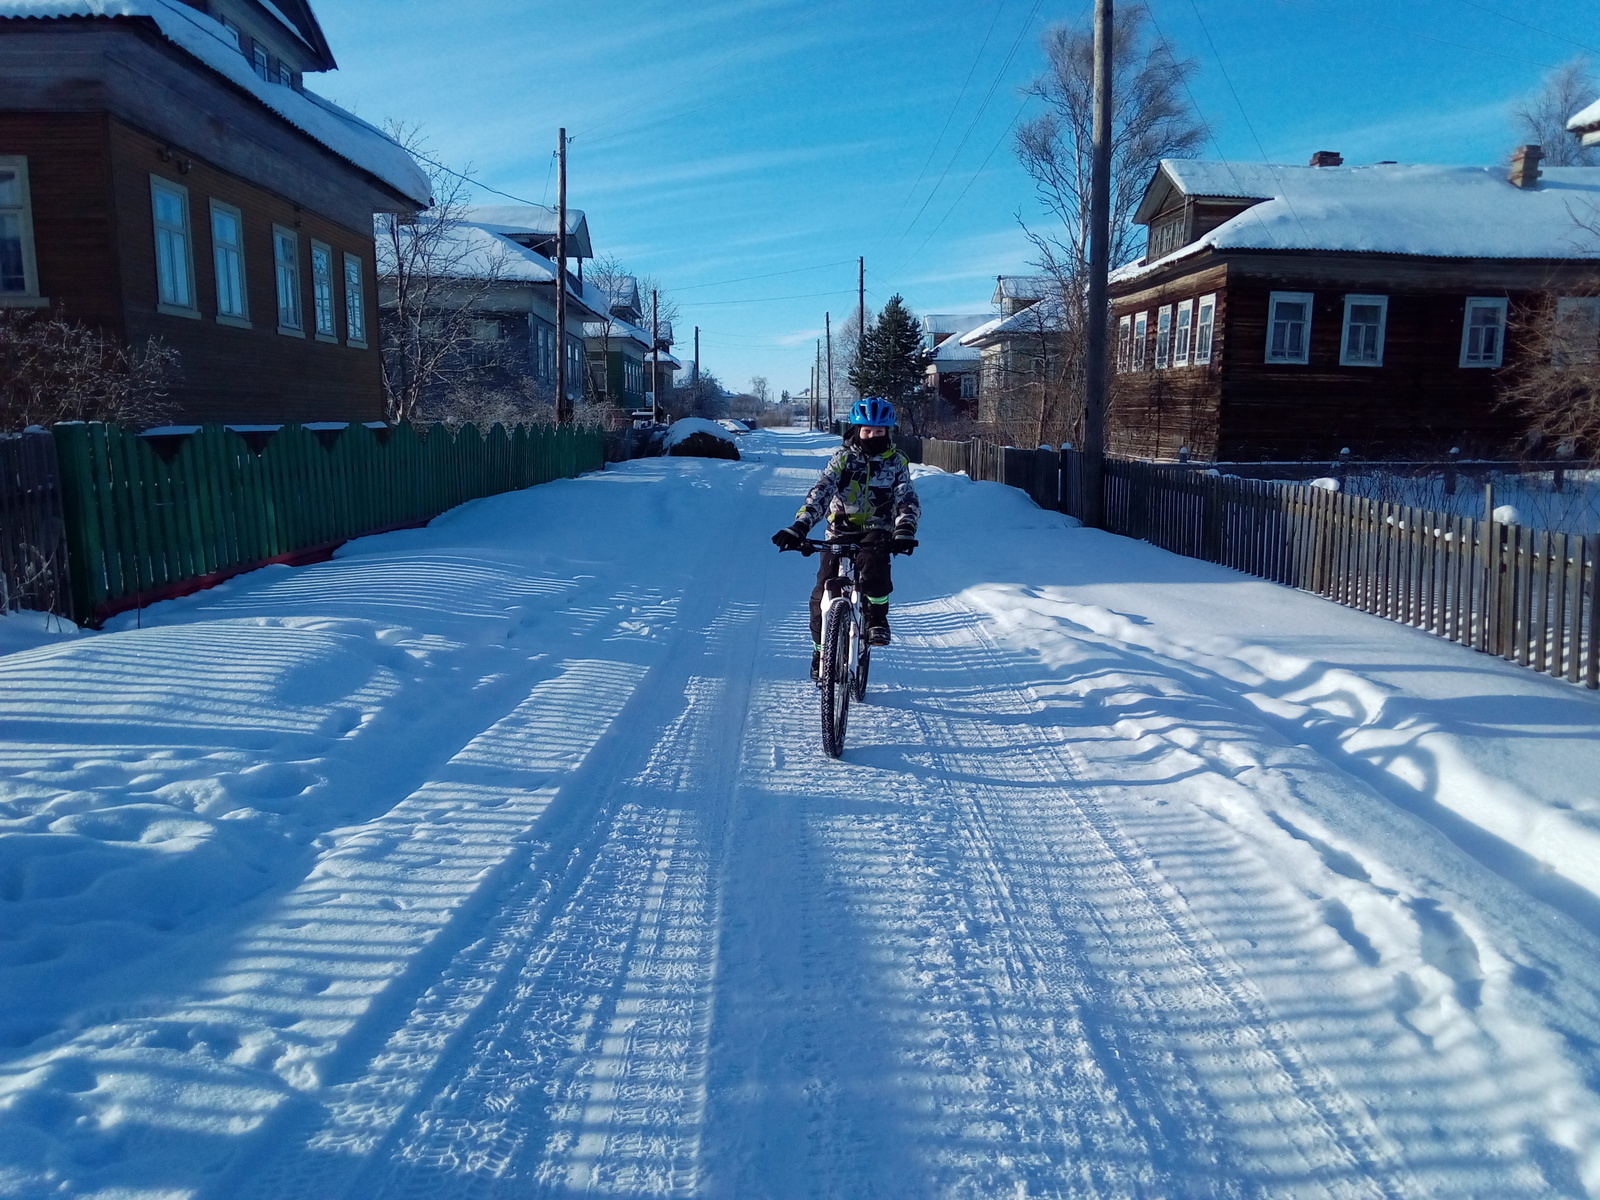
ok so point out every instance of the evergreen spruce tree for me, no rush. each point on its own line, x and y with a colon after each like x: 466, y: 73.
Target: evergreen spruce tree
x: 891, y: 361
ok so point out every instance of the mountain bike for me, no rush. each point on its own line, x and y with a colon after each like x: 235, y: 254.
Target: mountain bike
x: 846, y: 656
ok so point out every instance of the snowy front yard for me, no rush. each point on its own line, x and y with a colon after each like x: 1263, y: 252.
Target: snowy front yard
x: 501, y: 858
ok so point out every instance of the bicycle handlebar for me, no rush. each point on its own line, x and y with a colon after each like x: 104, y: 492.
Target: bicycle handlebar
x: 847, y: 549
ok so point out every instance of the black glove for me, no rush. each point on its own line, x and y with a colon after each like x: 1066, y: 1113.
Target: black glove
x: 791, y: 537
x: 902, y: 545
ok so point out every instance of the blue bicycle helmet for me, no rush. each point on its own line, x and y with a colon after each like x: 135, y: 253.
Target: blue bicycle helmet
x: 870, y: 410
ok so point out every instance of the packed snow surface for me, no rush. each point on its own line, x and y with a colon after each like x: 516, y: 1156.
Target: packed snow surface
x: 500, y: 858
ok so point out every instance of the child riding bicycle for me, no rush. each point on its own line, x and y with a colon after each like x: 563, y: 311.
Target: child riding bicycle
x: 865, y: 494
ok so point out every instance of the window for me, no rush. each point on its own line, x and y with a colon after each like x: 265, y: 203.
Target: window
x: 322, y: 293
x: 1204, y: 328
x: 1577, y: 331
x: 1361, y: 344
x: 969, y: 386
x: 543, y: 349
x: 1124, y: 343
x: 286, y: 264
x: 1181, y: 343
x: 1164, y: 337
x: 19, y: 281
x: 169, y: 203
x: 285, y: 76
x: 227, y: 258
x: 1483, y: 331
x: 258, y: 60
x: 1165, y: 236
x: 233, y: 33
x: 1289, y: 327
x: 355, y: 303
x: 1141, y: 335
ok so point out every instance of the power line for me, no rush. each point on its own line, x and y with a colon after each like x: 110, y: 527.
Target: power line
x: 768, y: 275
x: 950, y: 116
x: 1527, y: 25
x: 766, y: 299
x: 982, y: 108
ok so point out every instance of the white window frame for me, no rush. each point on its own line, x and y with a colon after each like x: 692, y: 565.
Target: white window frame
x: 286, y: 282
x: 1183, y: 334
x: 969, y: 385
x: 1473, y: 304
x: 227, y: 261
x: 29, y: 296
x: 355, y: 302
x: 1382, y: 304
x: 324, y: 314
x: 173, y: 237
x: 1205, y: 328
x: 261, y: 61
x: 1275, y: 299
x: 1124, y: 343
x: 1141, y: 339
x: 1163, y: 337
x: 1576, y: 315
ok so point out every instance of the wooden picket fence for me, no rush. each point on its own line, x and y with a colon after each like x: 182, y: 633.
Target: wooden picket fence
x: 1526, y: 595
x: 142, y: 527
x: 34, y: 572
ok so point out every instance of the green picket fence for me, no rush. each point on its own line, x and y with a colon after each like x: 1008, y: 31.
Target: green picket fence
x: 140, y: 527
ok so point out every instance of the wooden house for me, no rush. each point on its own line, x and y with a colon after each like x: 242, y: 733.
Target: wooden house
x: 1019, y: 350
x: 952, y: 370
x: 1288, y: 312
x: 501, y: 277
x: 165, y: 173
x: 630, y: 367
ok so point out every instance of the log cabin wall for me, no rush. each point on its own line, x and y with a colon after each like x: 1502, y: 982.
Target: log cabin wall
x: 1420, y: 401
x: 256, y: 374
x: 74, y: 225
x: 99, y: 106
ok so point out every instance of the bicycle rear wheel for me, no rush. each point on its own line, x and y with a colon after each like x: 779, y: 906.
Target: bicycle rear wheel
x: 836, y: 682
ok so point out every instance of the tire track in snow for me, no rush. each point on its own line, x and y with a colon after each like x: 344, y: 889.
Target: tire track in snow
x: 560, y: 1048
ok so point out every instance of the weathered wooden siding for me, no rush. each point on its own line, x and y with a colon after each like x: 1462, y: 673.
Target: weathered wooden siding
x: 69, y: 178
x: 254, y: 375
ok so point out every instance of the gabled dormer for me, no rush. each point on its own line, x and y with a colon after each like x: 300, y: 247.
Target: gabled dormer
x: 280, y: 39
x: 1187, y: 200
x: 1013, y: 293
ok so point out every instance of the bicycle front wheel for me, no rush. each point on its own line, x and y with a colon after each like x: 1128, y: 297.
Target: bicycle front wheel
x: 836, y: 681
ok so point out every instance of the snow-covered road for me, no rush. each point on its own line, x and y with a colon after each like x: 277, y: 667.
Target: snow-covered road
x: 501, y: 859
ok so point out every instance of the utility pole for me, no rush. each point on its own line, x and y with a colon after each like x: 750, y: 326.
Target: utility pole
x: 861, y: 308
x: 816, y: 389
x: 697, y: 354
x: 827, y: 332
x: 563, y: 406
x: 1094, y: 409
x: 655, y: 359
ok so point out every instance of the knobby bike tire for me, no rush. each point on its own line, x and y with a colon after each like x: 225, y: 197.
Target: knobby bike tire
x: 863, y: 665
x: 836, y: 682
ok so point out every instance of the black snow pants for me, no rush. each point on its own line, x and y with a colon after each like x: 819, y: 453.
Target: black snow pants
x: 872, y: 573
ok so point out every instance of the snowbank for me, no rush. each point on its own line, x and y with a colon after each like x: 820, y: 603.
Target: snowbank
x: 683, y: 429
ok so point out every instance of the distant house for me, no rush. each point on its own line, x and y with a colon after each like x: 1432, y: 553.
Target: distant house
x: 625, y: 370
x: 1585, y: 125
x: 1289, y: 312
x: 510, y: 291
x: 1019, y: 350
x: 164, y: 172
x: 952, y: 369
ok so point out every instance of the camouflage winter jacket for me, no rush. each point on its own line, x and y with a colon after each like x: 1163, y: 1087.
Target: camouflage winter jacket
x: 856, y: 494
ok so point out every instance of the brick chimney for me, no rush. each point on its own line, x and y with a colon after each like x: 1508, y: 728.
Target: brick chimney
x: 1327, y: 158
x: 1525, y: 166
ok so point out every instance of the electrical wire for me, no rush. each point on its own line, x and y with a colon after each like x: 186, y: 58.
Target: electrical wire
x: 1526, y: 25
x: 973, y: 124
x: 768, y: 275
x: 766, y: 299
x: 1413, y: 33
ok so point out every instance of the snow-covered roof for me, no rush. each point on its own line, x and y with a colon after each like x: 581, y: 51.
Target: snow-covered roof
x: 467, y: 250
x: 534, y: 221
x: 345, y: 134
x: 952, y: 323
x: 951, y: 351
x: 1585, y: 119
x: 1041, y: 316
x: 1392, y: 208
x: 617, y: 330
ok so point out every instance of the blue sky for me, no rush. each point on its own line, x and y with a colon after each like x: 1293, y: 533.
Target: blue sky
x: 744, y: 152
